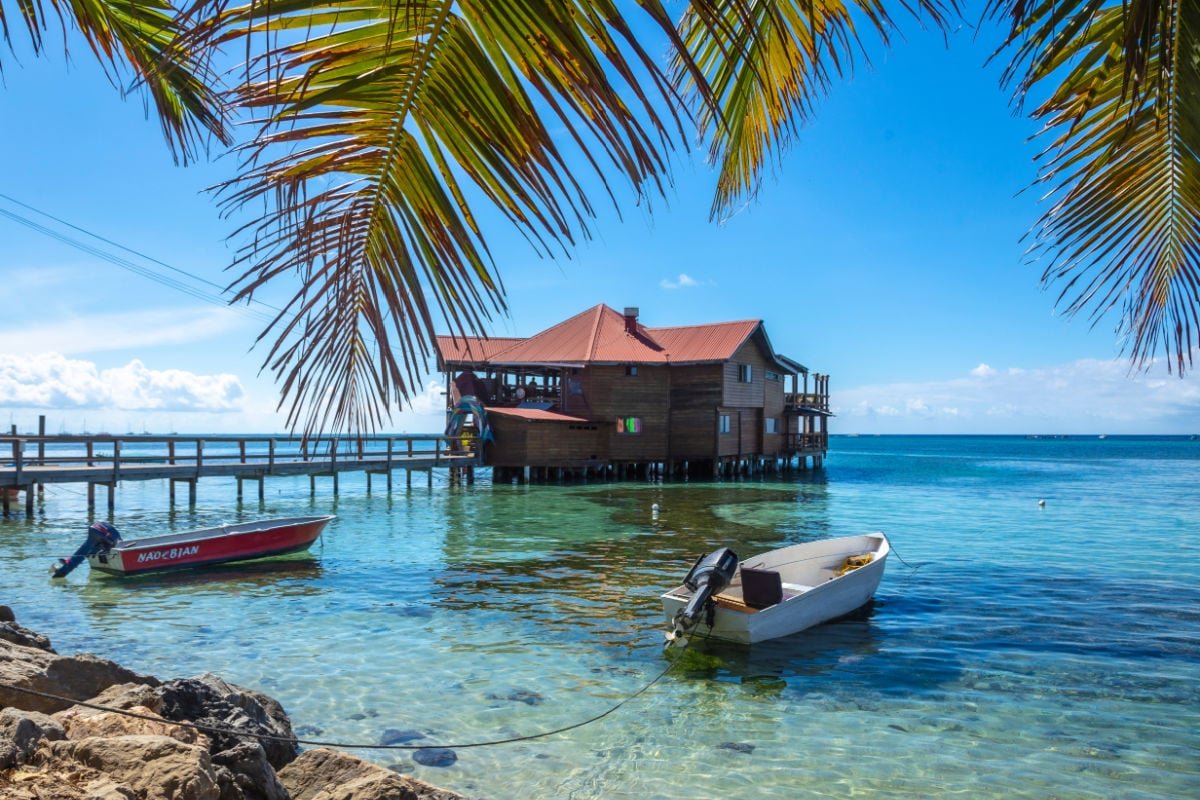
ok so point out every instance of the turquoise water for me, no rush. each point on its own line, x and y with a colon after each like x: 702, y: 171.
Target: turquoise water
x: 1033, y: 652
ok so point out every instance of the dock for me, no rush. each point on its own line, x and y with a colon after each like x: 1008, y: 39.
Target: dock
x: 29, y: 463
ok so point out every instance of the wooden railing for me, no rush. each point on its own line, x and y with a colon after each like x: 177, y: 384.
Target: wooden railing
x: 796, y: 400
x: 806, y: 442
x: 24, y: 459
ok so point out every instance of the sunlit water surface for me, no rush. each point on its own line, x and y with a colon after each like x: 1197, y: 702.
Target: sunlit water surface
x: 1026, y: 652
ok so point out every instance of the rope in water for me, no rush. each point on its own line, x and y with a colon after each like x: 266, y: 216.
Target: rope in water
x: 217, y: 729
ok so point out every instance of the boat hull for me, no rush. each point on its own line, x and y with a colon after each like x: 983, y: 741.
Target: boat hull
x: 814, y: 594
x: 230, y: 543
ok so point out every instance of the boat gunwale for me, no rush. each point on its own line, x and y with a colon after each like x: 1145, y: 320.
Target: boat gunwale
x: 220, y: 532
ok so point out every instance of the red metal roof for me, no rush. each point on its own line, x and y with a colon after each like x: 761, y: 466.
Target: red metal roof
x: 471, y: 348
x: 599, y: 335
x: 533, y: 414
x: 715, y: 342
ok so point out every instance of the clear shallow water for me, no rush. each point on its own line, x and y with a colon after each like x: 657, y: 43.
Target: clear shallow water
x: 1035, y: 652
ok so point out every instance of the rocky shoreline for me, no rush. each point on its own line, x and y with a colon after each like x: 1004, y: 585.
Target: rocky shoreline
x: 52, y: 749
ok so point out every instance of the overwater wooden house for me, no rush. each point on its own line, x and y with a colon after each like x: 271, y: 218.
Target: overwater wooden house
x: 601, y: 393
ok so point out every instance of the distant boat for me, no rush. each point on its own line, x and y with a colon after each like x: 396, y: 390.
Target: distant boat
x: 777, y: 593
x: 1102, y: 436
x: 106, y: 551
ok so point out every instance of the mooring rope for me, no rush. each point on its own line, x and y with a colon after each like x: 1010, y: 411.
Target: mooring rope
x: 217, y: 729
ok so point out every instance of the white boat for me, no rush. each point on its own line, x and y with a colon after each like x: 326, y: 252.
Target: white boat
x: 777, y: 593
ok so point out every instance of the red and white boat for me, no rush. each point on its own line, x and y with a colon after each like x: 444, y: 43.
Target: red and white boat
x: 106, y: 551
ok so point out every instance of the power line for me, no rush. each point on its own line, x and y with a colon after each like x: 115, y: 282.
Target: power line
x: 126, y: 264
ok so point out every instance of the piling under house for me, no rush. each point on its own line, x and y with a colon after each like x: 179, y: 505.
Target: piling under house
x: 601, y: 394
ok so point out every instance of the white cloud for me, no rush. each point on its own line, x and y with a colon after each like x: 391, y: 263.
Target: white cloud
x: 983, y: 371
x: 106, y: 332
x: 682, y: 282
x: 1085, y: 396
x: 53, y: 381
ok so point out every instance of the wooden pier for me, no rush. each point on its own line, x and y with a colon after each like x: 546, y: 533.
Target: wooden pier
x: 29, y: 463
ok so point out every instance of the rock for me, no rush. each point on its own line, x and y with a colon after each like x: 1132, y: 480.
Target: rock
x: 252, y: 773
x: 209, y: 700
x: 394, y: 736
x: 20, y: 733
x: 737, y: 747
x: 324, y: 774
x: 10, y: 631
x: 7, y: 615
x: 76, y: 677
x: 435, y: 757
x: 81, y: 723
x: 156, y: 767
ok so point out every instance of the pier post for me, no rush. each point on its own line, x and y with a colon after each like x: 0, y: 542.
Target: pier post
x: 91, y: 496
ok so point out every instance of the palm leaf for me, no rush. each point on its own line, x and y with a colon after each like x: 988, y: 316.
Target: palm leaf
x: 151, y: 39
x: 382, y: 127
x: 1121, y: 170
x: 766, y: 62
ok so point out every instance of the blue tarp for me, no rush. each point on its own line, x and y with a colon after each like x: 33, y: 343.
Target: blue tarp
x: 456, y: 417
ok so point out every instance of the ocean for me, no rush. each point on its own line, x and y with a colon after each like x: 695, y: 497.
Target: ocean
x: 1013, y: 650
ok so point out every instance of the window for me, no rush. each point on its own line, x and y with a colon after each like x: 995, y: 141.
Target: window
x: 629, y: 424
x: 724, y: 423
x: 631, y: 371
x: 745, y: 373
x: 771, y: 425
x: 773, y: 376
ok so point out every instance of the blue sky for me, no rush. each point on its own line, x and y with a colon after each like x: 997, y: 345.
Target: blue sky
x: 885, y: 250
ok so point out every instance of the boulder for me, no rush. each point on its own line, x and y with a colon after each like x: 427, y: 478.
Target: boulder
x: 73, y: 677
x: 10, y: 631
x: 324, y: 774
x: 208, y: 700
x: 252, y: 773
x: 82, y: 723
x: 153, y: 767
x: 20, y: 733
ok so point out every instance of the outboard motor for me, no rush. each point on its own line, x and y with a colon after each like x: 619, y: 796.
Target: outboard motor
x: 101, y: 538
x: 708, y: 576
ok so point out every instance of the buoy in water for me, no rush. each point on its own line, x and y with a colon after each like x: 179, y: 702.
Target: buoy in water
x: 1041, y: 503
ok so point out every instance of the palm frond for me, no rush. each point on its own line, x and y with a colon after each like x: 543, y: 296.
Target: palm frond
x: 1121, y: 166
x: 766, y: 62
x: 151, y: 38
x: 382, y: 127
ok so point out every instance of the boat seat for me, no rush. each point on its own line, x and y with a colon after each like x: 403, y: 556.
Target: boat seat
x: 761, y: 588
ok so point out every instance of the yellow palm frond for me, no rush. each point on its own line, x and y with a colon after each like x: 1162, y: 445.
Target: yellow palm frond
x: 383, y: 125
x: 766, y: 62
x: 1122, y: 120
x: 151, y: 38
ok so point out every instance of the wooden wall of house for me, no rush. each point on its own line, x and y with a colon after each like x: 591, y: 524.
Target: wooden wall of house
x: 542, y: 443
x: 611, y: 393
x: 695, y: 394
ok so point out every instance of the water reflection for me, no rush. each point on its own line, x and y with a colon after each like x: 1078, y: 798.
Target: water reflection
x: 295, y: 576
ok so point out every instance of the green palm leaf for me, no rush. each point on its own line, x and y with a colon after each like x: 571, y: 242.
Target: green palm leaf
x: 382, y: 127
x: 1122, y: 120
x: 766, y: 62
x: 150, y: 38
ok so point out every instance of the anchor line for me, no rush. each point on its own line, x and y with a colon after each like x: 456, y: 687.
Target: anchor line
x: 266, y: 737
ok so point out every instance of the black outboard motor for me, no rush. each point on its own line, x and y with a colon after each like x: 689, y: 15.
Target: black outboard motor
x: 708, y: 576
x: 101, y: 538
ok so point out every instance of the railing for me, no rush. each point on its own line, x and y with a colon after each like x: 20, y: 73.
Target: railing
x: 795, y: 400
x: 806, y: 442
x: 222, y: 454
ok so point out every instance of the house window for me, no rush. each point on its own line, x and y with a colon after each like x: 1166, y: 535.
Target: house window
x: 631, y: 371
x: 723, y: 422
x: 629, y: 424
x: 771, y: 425
x: 773, y: 376
x: 745, y: 373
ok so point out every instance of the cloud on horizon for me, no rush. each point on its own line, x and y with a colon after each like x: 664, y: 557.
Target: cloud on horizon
x: 1084, y: 396
x: 53, y: 381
